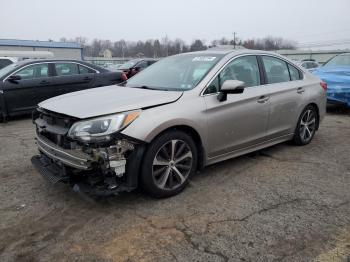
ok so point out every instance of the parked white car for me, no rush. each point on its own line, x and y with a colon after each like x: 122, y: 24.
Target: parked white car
x: 5, y: 61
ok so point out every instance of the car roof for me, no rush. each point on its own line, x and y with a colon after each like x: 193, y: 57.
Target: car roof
x: 233, y: 52
x: 30, y: 61
x: 144, y: 59
x: 34, y: 61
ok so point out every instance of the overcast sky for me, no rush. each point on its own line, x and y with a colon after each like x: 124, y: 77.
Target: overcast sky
x: 306, y: 21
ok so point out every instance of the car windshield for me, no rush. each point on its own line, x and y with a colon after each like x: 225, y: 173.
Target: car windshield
x: 340, y: 60
x: 180, y: 72
x: 4, y: 71
x: 128, y: 64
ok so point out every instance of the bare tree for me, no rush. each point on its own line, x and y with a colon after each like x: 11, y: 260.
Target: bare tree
x: 165, y: 46
x: 269, y: 43
x: 197, y: 45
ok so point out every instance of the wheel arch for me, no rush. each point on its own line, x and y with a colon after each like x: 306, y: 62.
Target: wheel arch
x: 317, y: 111
x: 193, y: 133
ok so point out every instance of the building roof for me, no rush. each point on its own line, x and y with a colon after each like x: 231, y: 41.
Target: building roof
x: 33, y: 43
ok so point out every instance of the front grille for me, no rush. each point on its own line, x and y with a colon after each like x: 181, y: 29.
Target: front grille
x: 53, y: 126
x: 50, y: 136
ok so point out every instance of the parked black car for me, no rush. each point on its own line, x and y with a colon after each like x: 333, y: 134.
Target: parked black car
x: 134, y: 66
x: 26, y: 83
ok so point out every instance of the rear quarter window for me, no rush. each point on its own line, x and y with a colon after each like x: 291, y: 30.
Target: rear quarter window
x: 85, y: 70
x: 295, y: 74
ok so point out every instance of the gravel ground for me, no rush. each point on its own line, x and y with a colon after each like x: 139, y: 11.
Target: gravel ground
x: 284, y: 203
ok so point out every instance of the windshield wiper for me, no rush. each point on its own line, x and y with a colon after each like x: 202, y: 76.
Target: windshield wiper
x: 145, y: 87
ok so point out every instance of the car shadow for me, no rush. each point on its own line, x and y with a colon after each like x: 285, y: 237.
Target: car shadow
x: 16, y: 118
x: 338, y: 110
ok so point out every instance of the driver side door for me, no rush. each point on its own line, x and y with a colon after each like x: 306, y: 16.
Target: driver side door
x: 24, y: 95
x: 241, y: 121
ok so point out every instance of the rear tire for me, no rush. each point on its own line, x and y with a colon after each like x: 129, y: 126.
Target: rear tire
x: 306, y: 127
x: 169, y: 162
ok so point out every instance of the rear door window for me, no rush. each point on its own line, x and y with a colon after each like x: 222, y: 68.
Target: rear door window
x: 276, y: 70
x: 66, y: 69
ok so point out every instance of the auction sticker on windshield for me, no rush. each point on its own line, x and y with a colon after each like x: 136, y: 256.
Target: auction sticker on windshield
x: 203, y: 58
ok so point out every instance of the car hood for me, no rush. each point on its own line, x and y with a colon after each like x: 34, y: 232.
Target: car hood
x: 107, y: 100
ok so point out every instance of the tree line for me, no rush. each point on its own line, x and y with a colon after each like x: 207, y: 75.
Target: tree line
x: 165, y: 46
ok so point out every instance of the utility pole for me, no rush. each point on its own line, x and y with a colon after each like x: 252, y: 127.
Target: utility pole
x: 234, y: 40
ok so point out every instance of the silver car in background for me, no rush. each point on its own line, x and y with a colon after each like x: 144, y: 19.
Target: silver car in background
x: 175, y: 117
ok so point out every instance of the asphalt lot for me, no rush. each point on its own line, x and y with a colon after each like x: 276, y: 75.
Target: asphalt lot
x: 285, y: 203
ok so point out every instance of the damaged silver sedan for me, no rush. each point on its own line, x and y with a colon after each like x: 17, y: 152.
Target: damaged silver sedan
x: 175, y: 117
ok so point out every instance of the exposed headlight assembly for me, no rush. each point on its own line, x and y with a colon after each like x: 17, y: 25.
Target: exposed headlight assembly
x: 100, y: 129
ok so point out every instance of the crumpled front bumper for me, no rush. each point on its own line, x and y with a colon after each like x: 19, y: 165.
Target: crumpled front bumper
x: 84, y: 172
x: 70, y: 157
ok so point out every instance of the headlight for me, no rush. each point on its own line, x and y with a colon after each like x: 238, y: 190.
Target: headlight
x: 100, y: 129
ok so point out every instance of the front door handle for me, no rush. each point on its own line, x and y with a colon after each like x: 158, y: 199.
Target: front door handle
x: 300, y: 90
x: 263, y: 99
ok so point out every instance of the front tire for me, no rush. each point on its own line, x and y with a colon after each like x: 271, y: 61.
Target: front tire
x: 306, y: 127
x: 170, y: 160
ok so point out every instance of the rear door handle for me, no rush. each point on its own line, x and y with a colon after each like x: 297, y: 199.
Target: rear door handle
x: 87, y: 78
x: 44, y: 82
x: 263, y: 99
x: 300, y: 90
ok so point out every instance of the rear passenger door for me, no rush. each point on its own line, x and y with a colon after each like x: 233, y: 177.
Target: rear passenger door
x: 71, y: 77
x: 286, y: 92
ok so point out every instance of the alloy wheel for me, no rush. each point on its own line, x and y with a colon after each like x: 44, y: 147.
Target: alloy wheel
x: 307, y: 125
x: 172, y: 164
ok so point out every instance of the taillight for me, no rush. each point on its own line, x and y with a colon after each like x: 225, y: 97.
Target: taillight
x: 124, y: 77
x: 324, y: 85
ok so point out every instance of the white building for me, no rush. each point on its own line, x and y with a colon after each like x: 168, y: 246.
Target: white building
x: 60, y: 50
x: 320, y: 56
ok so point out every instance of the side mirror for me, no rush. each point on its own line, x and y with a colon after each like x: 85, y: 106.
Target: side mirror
x: 230, y: 87
x: 14, y: 78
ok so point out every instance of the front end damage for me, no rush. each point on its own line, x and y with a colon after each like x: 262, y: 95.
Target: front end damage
x: 98, y: 169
